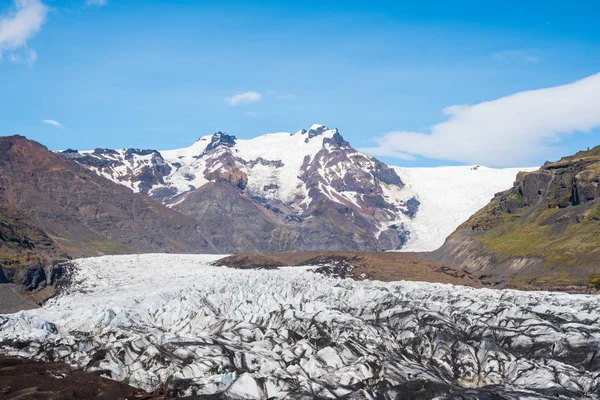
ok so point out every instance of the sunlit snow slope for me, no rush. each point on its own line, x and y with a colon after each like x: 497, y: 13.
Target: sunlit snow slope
x: 291, y: 333
x: 448, y: 197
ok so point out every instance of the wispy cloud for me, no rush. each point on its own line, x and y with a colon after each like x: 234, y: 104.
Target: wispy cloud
x: 52, y: 122
x: 241, y: 98
x: 281, y: 95
x: 511, y: 131
x: 98, y: 3
x: 286, y: 96
x: 251, y: 113
x: 19, y: 25
x: 528, y: 56
x: 27, y: 56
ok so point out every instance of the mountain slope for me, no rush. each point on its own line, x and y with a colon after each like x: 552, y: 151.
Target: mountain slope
x: 543, y: 232
x: 304, y: 191
x: 51, y: 208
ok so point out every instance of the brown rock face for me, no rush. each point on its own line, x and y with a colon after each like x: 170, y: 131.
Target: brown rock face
x: 52, y: 209
x: 85, y: 213
x: 234, y: 221
x: 542, y: 233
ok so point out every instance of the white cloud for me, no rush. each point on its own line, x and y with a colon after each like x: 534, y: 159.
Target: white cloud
x: 19, y: 25
x: 286, y: 96
x: 98, y: 3
x: 52, y: 122
x: 27, y: 56
x: 525, y: 56
x: 281, y: 96
x: 512, y: 131
x: 240, y: 98
x: 251, y: 114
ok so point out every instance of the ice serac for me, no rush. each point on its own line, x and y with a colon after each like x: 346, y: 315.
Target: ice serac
x: 175, y: 320
x: 304, y: 191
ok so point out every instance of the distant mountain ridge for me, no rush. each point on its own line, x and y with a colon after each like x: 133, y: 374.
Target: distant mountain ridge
x: 277, y: 192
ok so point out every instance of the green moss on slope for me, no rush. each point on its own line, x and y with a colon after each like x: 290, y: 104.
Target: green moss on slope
x: 552, y: 213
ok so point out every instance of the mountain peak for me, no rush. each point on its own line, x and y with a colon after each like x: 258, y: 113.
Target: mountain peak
x: 221, y: 139
x: 317, y: 130
x: 317, y: 126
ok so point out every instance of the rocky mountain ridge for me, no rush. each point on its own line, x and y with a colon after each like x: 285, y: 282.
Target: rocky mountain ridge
x: 52, y: 209
x: 277, y: 192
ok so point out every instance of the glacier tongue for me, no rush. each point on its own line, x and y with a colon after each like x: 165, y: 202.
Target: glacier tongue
x: 448, y: 196
x: 176, y: 320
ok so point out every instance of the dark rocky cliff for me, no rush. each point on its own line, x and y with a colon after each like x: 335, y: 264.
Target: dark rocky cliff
x: 544, y: 232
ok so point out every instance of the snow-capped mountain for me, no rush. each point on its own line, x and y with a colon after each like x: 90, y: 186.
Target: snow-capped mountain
x: 281, y: 191
x: 308, y: 190
x: 176, y: 320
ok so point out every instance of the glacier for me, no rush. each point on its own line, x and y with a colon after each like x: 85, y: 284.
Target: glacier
x: 177, y: 321
x: 449, y: 196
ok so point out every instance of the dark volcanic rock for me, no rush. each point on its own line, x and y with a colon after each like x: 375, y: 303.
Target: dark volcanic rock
x: 221, y: 139
x: 316, y: 131
x: 24, y: 379
x: 412, y: 206
x: 34, y: 277
x: 386, y: 174
x: 337, y: 140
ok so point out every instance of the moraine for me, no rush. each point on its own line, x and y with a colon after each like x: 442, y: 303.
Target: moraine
x: 149, y: 319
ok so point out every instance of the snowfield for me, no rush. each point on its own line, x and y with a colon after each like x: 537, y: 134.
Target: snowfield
x: 156, y: 318
x: 449, y: 196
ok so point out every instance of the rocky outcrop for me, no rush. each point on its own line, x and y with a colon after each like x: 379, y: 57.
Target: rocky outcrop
x: 35, y: 277
x: 139, y: 169
x: 221, y: 139
x: 542, y: 233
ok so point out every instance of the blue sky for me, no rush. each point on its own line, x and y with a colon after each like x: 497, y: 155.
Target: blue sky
x: 157, y: 74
